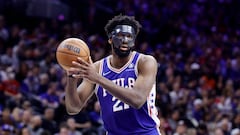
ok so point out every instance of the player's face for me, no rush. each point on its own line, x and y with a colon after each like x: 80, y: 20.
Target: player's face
x: 123, y: 38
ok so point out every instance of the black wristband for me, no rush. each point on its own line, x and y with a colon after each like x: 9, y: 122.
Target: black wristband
x: 71, y: 76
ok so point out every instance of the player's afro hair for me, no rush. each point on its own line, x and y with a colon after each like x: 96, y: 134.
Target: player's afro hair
x: 122, y: 20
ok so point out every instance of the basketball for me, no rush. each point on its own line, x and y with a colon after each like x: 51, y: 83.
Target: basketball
x: 69, y: 49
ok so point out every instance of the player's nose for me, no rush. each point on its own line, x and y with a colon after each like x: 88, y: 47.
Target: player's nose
x: 125, y: 39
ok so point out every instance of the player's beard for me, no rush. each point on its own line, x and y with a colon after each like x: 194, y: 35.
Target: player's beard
x: 121, y: 53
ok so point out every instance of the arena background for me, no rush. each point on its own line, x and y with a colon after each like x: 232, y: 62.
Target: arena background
x: 196, y: 44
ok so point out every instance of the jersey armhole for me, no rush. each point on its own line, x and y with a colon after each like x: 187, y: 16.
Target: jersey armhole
x: 100, y: 70
x: 137, y: 62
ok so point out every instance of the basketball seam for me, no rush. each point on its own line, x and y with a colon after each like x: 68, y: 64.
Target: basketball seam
x: 83, y: 43
x: 72, y: 54
x: 66, y: 65
x: 88, y: 51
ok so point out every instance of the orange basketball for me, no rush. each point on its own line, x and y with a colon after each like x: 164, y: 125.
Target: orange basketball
x: 69, y: 49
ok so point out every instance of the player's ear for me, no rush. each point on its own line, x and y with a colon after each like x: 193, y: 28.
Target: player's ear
x: 110, y: 41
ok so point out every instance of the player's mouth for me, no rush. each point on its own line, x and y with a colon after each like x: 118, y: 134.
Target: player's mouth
x: 124, y: 47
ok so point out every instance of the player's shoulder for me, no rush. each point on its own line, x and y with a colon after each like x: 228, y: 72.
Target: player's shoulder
x: 98, y: 63
x: 146, y: 63
x: 146, y: 58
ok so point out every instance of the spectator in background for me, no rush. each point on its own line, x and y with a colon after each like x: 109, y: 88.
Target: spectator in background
x: 63, y: 129
x: 198, y: 111
x: 50, y: 97
x: 60, y: 113
x: 173, y: 119
x: 43, y: 83
x: 73, y: 127
x: 16, y: 116
x: 11, y: 88
x: 7, y: 129
x: 218, y: 131
x: 235, y: 131
x: 35, y: 125
x: 225, y: 125
x: 83, y: 122
x: 26, y: 104
x: 48, y: 122
x: 32, y: 79
x: 96, y: 119
x: 7, y: 58
x: 6, y: 117
x: 192, y: 131
x: 181, y: 128
x: 236, y: 120
x: 26, y: 118
x: 25, y: 131
x: 202, y: 129
x: 4, y: 33
x: 46, y: 132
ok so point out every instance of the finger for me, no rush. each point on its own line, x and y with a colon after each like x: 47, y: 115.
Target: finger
x: 90, y: 60
x: 80, y: 60
x: 70, y: 71
x: 78, y: 75
x: 76, y: 71
x: 73, y: 69
x: 79, y: 65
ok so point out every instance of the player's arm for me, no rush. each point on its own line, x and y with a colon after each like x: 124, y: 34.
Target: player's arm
x: 77, y: 96
x: 136, y: 96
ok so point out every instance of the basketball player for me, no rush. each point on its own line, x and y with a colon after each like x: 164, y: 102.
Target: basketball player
x: 124, y: 83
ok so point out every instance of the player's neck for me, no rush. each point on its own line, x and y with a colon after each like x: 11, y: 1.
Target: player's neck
x: 118, y: 62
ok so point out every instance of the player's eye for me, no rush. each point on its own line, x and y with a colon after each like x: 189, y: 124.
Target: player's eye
x: 129, y: 36
x: 120, y: 35
x: 125, y: 35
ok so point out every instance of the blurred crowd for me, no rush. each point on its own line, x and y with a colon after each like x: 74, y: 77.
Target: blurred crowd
x: 196, y: 44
